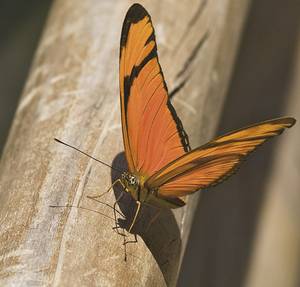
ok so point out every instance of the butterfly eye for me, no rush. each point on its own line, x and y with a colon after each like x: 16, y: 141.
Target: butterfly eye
x: 132, y: 180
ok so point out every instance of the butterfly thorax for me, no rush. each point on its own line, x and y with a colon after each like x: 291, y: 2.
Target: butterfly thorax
x: 134, y: 184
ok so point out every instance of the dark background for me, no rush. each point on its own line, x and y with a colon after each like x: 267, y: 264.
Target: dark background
x: 222, y: 236
x: 21, y: 25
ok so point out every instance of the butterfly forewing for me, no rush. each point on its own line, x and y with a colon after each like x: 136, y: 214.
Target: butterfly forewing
x: 215, y: 161
x: 153, y: 134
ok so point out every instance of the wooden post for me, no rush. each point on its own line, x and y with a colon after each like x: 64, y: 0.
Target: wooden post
x: 72, y: 94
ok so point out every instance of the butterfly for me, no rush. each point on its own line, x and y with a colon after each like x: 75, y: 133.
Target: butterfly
x: 161, y: 166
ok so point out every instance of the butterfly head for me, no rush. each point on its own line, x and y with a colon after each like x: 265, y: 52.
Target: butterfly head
x: 131, y: 183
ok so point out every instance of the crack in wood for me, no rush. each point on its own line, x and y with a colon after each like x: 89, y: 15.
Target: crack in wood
x: 179, y: 86
x: 193, y: 55
x: 197, y: 14
x: 85, y: 183
x: 191, y: 23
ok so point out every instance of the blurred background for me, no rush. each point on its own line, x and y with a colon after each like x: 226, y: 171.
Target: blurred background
x: 246, y: 231
x: 21, y: 25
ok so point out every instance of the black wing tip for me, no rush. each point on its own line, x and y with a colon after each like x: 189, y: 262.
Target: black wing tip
x: 288, y: 121
x: 136, y: 12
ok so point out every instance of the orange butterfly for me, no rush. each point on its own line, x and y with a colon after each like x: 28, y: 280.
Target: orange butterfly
x: 161, y: 166
x: 161, y: 169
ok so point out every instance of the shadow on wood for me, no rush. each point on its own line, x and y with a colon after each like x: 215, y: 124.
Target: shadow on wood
x: 162, y: 237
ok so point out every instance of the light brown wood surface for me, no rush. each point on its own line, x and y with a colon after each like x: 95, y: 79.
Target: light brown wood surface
x: 72, y: 93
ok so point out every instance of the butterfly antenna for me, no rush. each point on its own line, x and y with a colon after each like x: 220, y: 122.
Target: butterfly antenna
x: 68, y: 145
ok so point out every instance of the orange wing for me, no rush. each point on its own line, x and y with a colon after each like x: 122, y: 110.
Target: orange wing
x: 152, y: 133
x: 215, y: 161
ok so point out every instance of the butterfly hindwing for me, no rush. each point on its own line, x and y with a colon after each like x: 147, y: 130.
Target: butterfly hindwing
x: 152, y: 133
x: 214, y: 161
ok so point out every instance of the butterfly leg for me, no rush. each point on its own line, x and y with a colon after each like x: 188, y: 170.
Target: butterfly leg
x: 135, y: 216
x: 107, y: 191
x: 116, y: 211
x: 96, y: 197
x: 125, y: 249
